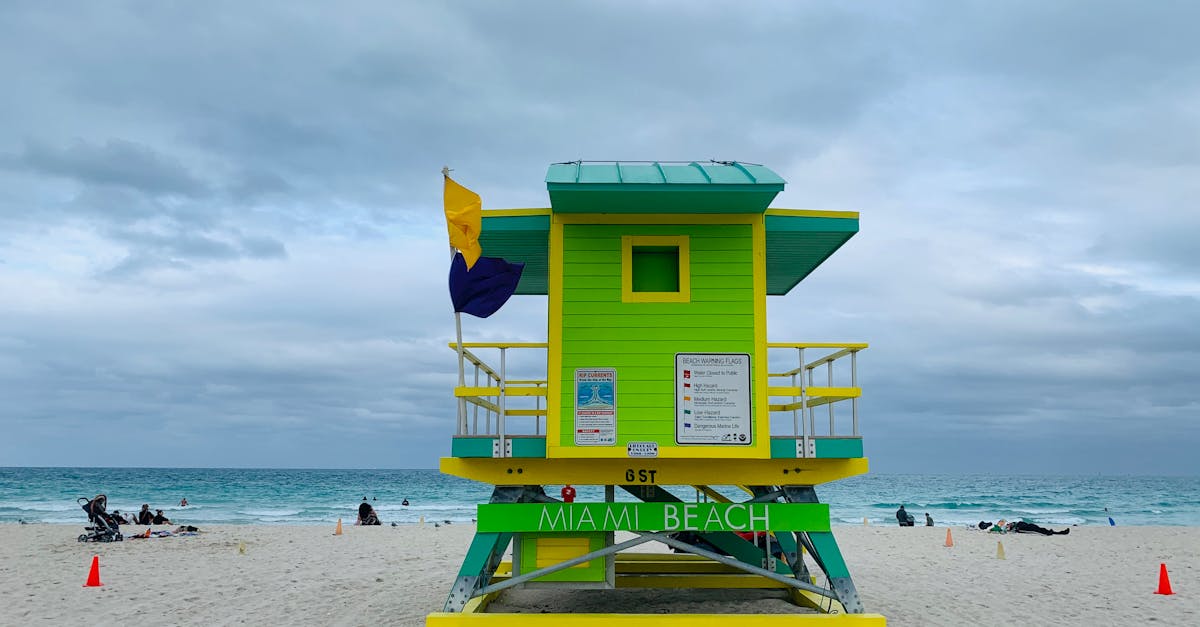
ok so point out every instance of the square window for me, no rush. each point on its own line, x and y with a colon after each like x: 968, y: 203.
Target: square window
x: 655, y: 269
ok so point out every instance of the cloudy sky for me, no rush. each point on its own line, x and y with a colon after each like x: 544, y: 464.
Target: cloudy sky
x: 221, y: 240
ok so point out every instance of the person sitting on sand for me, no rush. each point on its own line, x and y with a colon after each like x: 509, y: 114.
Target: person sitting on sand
x: 366, y: 515
x: 928, y: 520
x: 904, y: 518
x: 159, y: 519
x: 116, y: 515
x: 144, y: 517
x: 1021, y: 526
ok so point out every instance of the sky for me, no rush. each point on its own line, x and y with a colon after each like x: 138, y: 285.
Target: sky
x: 221, y: 237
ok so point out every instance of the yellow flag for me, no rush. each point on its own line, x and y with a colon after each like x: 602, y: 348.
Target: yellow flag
x: 464, y: 213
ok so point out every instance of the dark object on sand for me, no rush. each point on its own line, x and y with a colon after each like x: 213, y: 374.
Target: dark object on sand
x: 1021, y: 526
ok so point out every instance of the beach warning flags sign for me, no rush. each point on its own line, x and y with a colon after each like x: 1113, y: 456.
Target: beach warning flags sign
x: 93, y: 580
x: 949, y: 538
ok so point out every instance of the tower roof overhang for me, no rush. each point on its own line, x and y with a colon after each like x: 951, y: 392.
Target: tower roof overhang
x: 797, y: 242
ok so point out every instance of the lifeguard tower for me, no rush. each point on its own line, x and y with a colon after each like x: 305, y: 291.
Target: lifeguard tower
x: 658, y: 381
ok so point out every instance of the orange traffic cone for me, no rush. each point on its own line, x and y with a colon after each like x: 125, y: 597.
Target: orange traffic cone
x: 93, y: 580
x: 949, y: 539
x: 338, y: 530
x: 1164, y: 582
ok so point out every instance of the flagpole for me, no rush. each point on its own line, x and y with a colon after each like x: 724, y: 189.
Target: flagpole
x: 462, y: 378
x: 462, y: 374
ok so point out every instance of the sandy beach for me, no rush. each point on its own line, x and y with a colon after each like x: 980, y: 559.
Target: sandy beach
x: 304, y: 575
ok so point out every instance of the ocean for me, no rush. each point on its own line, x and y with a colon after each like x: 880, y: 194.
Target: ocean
x: 320, y: 497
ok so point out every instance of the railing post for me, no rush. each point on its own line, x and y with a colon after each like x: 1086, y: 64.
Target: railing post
x: 475, y: 407
x: 537, y: 420
x: 803, y: 406
x: 829, y: 370
x: 500, y: 418
x: 461, y: 427
x: 854, y: 384
x: 812, y: 412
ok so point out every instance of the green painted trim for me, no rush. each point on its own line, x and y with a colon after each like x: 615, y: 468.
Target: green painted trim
x: 483, y: 546
x: 528, y: 447
x: 787, y: 542
x: 807, y: 224
x: 783, y: 448
x: 839, y: 448
x: 678, y: 199
x: 593, y: 571
x: 472, y: 447
x: 829, y: 554
x: 702, y: 517
x: 532, y: 224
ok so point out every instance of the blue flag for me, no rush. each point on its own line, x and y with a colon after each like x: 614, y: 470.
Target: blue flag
x: 482, y: 290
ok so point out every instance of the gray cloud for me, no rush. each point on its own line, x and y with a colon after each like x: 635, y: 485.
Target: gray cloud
x: 116, y: 163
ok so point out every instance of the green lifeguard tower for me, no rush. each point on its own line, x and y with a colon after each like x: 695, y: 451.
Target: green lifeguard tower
x: 658, y: 380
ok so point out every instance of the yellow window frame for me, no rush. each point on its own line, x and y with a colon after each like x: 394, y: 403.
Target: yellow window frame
x: 684, y: 295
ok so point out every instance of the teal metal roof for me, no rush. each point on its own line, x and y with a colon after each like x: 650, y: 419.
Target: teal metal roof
x: 661, y: 187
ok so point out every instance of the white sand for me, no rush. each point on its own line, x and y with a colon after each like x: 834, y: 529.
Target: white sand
x: 395, y: 575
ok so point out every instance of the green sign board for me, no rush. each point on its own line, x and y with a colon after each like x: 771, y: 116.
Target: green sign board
x: 575, y: 517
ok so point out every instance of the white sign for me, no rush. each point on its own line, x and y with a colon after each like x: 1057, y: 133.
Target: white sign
x: 595, y: 407
x: 712, y: 399
x: 642, y: 449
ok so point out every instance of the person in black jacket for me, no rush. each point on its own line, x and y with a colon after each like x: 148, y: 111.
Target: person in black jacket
x: 1021, y: 526
x: 904, y: 518
x: 144, y: 517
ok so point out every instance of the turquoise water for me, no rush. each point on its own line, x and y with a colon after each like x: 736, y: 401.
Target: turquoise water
x: 266, y: 496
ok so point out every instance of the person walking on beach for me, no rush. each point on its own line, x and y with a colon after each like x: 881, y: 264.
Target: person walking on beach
x: 928, y: 520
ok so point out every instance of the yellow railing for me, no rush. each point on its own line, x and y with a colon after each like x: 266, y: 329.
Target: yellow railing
x: 804, y: 393
x: 491, y: 389
x: 490, y: 396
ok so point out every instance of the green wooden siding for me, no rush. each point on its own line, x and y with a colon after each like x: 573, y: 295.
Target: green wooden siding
x: 640, y: 340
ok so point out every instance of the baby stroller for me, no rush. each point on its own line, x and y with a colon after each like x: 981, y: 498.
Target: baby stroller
x: 104, y: 528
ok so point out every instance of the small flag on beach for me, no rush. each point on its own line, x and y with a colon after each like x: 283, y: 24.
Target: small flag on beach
x: 464, y: 218
x: 481, y: 291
